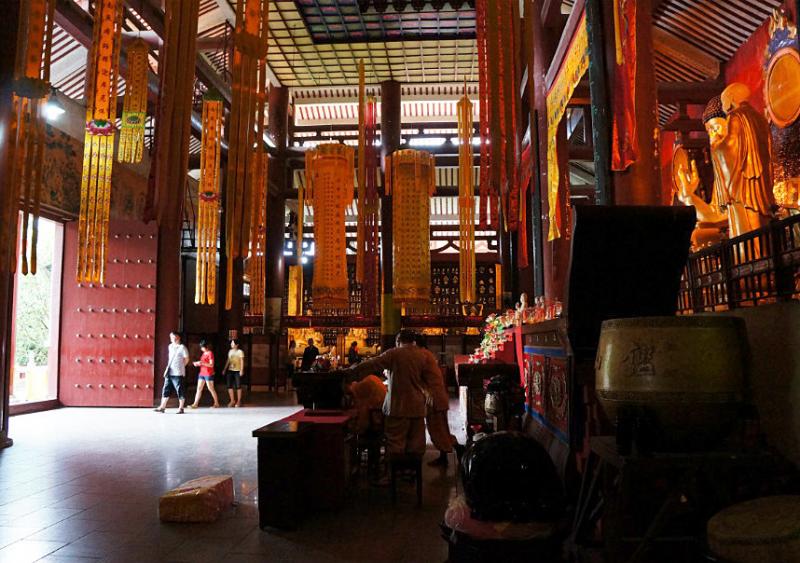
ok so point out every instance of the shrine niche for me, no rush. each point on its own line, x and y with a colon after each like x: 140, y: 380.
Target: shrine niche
x: 782, y: 97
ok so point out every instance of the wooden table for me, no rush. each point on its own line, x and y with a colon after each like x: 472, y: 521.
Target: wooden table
x: 304, y: 463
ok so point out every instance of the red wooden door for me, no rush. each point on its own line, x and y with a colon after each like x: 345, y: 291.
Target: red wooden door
x: 107, y: 330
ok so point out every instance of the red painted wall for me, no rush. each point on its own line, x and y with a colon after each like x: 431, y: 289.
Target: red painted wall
x: 107, y: 331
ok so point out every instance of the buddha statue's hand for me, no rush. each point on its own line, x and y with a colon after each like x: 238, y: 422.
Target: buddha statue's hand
x: 689, y: 181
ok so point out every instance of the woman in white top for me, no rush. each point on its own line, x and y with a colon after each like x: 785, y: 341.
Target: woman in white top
x: 234, y: 371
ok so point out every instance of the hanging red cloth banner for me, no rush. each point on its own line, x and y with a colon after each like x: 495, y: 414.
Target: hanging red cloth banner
x: 498, y: 38
x: 370, y: 287
x: 624, y: 148
x: 483, y: 110
x: 525, y: 175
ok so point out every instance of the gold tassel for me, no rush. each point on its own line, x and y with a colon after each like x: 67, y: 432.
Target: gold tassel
x: 30, y: 87
x: 134, y: 108
x: 466, y: 202
x: 101, y: 111
x: 258, y: 204
x: 250, y: 52
x: 362, y: 176
x: 208, y: 201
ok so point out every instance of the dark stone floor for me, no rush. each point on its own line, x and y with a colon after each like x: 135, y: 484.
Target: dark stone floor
x: 83, y: 485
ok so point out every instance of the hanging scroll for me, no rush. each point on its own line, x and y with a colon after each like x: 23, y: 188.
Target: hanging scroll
x: 498, y: 33
x: 466, y: 203
x: 208, y: 202
x: 31, y: 85
x: 258, y: 203
x: 412, y: 183
x: 573, y: 67
x: 624, y: 148
x: 249, y: 56
x: 98, y: 148
x: 329, y: 188
x: 173, y: 125
x: 134, y: 108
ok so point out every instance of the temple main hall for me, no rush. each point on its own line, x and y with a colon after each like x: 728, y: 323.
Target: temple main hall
x: 464, y: 281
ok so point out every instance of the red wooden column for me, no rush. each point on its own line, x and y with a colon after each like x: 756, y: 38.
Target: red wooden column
x: 278, y: 127
x: 390, y: 141
x: 641, y: 183
x: 168, y: 298
x: 8, y: 42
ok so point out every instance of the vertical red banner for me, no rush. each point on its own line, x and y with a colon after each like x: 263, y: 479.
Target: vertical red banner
x: 624, y: 147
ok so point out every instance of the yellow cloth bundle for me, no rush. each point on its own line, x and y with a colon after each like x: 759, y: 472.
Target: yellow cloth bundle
x: 198, y: 500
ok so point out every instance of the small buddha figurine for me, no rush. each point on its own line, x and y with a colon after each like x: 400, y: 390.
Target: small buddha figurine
x: 519, y: 310
x: 740, y: 151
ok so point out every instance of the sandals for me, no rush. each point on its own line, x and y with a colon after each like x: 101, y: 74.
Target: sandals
x: 180, y: 411
x: 159, y: 410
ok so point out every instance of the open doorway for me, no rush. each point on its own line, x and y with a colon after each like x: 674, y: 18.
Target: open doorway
x: 37, y: 302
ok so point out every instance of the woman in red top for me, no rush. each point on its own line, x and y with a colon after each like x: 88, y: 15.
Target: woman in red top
x: 206, y: 376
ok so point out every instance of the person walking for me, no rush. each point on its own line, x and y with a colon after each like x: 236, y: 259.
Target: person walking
x: 438, y: 403
x: 175, y: 373
x: 411, y: 371
x: 234, y: 371
x: 309, y: 356
x: 206, y: 376
x: 352, y: 354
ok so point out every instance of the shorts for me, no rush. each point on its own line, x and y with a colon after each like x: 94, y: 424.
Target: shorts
x: 206, y: 378
x: 233, y: 379
x: 175, y: 381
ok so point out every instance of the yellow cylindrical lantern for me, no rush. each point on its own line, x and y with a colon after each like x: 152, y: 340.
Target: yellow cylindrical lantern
x: 412, y: 184
x: 329, y: 187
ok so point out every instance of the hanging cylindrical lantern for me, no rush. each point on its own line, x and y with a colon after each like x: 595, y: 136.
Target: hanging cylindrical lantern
x: 329, y: 187
x: 250, y: 52
x: 31, y: 86
x: 466, y: 203
x: 412, y: 182
x: 98, y: 148
x: 134, y: 108
x: 208, y: 201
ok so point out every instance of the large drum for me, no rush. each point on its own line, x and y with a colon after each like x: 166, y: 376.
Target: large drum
x: 678, y: 381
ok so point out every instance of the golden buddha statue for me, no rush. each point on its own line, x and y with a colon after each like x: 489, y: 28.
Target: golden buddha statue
x: 740, y: 151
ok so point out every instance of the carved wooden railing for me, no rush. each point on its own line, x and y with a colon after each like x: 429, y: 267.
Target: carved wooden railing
x: 757, y: 268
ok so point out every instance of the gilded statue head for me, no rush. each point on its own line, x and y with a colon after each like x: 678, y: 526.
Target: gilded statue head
x: 733, y: 96
x: 715, y: 121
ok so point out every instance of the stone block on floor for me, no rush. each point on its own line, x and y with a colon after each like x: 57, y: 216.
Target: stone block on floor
x: 198, y: 500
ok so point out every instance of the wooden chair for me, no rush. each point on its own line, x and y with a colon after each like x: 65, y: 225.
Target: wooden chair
x: 400, y: 462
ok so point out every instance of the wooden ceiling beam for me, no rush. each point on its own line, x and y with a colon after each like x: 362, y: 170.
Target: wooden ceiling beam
x: 689, y: 92
x: 151, y: 13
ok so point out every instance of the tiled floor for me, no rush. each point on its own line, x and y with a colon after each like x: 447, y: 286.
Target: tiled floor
x: 83, y: 485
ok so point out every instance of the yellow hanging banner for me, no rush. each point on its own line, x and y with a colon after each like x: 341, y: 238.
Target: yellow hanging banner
x: 573, y: 67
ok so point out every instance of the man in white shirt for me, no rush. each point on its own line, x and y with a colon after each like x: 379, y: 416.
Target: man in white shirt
x: 175, y: 373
